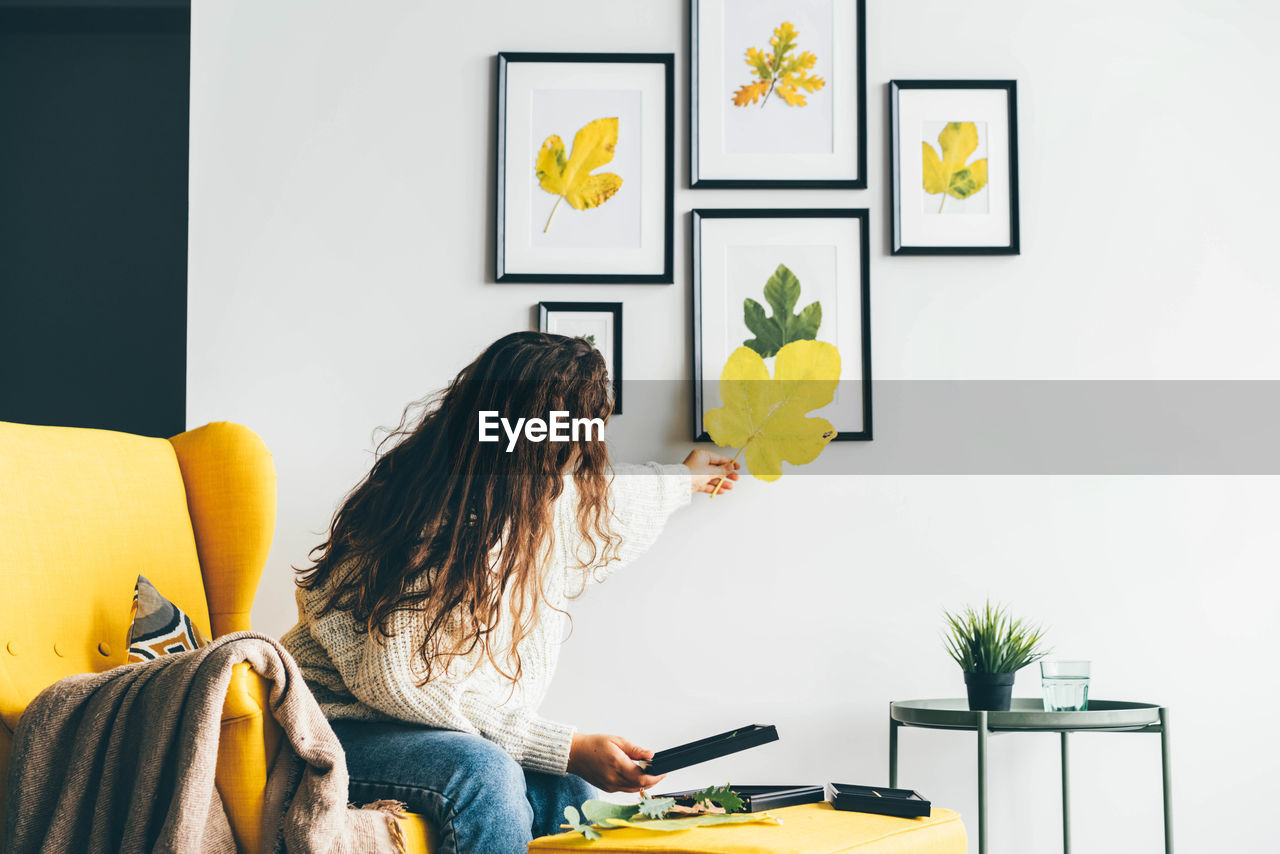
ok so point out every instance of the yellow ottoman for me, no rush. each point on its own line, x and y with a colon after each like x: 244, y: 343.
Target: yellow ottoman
x: 806, y: 829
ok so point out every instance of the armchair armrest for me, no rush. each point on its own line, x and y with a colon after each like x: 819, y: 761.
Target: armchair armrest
x: 247, y: 747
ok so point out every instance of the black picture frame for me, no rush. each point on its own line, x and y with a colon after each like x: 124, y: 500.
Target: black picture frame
x: 760, y: 798
x: 545, y: 309
x: 860, y: 217
x: 895, y: 219
x: 504, y: 275
x: 711, y: 747
x: 859, y: 182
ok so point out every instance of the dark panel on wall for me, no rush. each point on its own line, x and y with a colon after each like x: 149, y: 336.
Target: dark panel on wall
x: 93, y: 214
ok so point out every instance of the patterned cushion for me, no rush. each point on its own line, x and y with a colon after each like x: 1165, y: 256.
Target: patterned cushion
x: 159, y: 627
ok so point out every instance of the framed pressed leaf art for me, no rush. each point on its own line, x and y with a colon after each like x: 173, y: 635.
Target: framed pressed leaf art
x: 954, y: 151
x: 778, y: 94
x: 585, y: 167
x: 600, y: 323
x: 765, y: 279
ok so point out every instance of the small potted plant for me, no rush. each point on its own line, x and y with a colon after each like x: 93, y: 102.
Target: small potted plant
x: 990, y: 648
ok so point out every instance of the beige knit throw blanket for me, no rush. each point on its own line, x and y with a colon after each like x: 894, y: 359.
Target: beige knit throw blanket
x: 123, y: 761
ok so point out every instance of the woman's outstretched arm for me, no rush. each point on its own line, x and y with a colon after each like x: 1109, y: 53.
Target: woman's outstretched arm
x: 641, y: 498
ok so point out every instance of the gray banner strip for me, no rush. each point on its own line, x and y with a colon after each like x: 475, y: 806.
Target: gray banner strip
x: 1183, y: 427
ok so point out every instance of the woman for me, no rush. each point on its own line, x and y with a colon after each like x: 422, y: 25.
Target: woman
x: 430, y: 624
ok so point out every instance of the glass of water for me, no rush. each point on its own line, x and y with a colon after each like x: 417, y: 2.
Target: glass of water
x: 1065, y: 685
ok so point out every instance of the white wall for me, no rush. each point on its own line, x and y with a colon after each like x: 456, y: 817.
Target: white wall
x: 341, y: 223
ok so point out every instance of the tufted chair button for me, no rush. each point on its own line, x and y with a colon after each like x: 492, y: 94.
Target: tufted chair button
x: 11, y: 647
x: 104, y: 648
x: 58, y: 650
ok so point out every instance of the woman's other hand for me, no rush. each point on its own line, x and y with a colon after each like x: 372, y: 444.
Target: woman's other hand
x: 708, y: 468
x: 608, y: 762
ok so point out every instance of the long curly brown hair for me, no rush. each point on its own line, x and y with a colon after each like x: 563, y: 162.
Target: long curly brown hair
x: 456, y: 530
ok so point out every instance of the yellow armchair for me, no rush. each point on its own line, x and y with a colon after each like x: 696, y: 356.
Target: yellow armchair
x: 82, y: 513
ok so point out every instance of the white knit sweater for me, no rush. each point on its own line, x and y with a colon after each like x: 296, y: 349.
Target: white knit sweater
x: 362, y: 676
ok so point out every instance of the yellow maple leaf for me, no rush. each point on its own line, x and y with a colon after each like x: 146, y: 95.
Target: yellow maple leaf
x: 948, y: 174
x: 569, y: 176
x: 778, y: 72
x: 766, y: 417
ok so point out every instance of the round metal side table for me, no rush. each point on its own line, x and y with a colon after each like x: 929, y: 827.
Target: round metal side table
x: 1028, y: 715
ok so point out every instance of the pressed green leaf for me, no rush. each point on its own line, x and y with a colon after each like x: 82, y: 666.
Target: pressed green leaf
x: 769, y: 337
x: 655, y: 807
x: 782, y: 292
x: 671, y: 825
x: 805, y: 325
x: 574, y: 820
x: 597, y: 811
x: 722, y: 796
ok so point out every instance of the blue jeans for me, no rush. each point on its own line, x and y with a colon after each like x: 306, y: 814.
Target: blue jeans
x: 470, y: 789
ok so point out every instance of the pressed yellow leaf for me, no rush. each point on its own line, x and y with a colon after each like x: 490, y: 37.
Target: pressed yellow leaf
x: 784, y: 35
x: 949, y: 174
x: 813, y: 84
x: 808, y: 372
x: 749, y: 93
x: 958, y: 141
x: 767, y: 417
x: 569, y: 176
x: 551, y: 163
x: 793, y: 437
x: 742, y: 392
x: 593, y: 191
x: 759, y: 62
x: 790, y: 84
x: 968, y: 180
x: 935, y: 179
x: 788, y: 92
x: 779, y: 72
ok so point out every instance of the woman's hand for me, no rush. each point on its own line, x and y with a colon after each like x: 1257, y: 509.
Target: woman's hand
x: 708, y: 468
x: 608, y: 762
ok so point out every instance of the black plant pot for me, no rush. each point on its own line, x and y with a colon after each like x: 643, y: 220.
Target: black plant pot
x: 989, y: 692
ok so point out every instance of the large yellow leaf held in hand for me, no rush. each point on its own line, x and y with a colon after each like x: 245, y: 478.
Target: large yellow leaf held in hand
x: 766, y: 417
x: 569, y: 175
x: 949, y: 174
